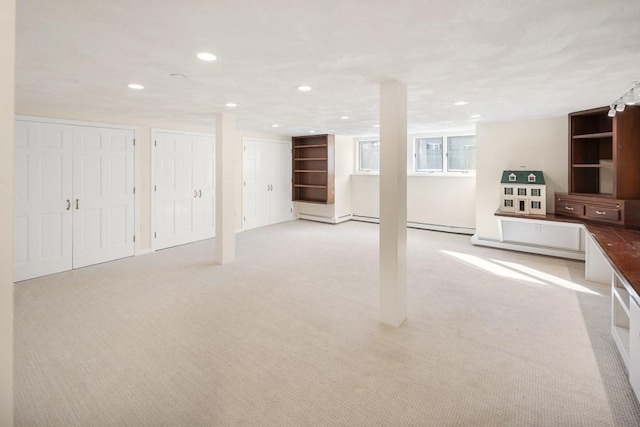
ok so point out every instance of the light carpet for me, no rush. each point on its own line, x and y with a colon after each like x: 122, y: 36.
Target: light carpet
x: 288, y: 336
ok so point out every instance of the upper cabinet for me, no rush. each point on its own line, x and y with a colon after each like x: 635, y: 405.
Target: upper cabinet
x: 604, y: 167
x: 313, y: 168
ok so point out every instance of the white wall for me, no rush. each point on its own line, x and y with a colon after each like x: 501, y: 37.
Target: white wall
x: 533, y: 144
x: 7, y: 63
x: 143, y: 168
x: 437, y: 200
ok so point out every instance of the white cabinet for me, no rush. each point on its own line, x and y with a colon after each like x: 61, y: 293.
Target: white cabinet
x: 266, y: 180
x: 620, y: 299
x: 183, y: 188
x: 634, y: 346
x: 74, y: 196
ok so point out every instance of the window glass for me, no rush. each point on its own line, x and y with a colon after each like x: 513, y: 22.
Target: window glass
x: 461, y: 153
x: 508, y: 203
x: 429, y: 154
x: 508, y: 191
x: 369, y: 155
x: 522, y: 191
x: 535, y: 192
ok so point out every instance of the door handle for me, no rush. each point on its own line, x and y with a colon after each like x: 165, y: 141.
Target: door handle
x: 68, y: 204
x: 77, y: 204
x: 200, y: 193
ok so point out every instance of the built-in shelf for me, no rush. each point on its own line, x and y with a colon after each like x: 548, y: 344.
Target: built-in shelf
x: 313, y: 168
x: 310, y: 146
x: 593, y: 135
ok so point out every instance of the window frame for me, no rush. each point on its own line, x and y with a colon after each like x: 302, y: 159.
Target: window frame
x: 444, y: 136
x: 358, y: 157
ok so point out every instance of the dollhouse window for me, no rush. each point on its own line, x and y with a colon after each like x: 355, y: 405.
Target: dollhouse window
x: 536, y: 205
x: 512, y: 177
x: 531, y: 178
x: 535, y: 192
x: 508, y: 191
x: 508, y: 203
x: 522, y: 191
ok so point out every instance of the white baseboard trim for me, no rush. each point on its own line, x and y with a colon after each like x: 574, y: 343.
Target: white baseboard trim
x: 524, y: 247
x: 325, y: 219
x: 421, y: 225
x: 144, y: 251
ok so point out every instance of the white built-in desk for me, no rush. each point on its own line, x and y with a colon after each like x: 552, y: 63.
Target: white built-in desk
x: 611, y: 254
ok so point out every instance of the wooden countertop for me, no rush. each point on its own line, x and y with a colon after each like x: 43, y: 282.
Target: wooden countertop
x: 620, y: 245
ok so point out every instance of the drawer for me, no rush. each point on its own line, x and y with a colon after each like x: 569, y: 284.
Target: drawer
x: 602, y: 213
x: 569, y: 208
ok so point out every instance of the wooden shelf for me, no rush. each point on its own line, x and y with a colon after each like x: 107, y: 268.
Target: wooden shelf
x: 604, y: 166
x: 309, y: 186
x: 593, y: 135
x: 592, y: 165
x: 313, y: 168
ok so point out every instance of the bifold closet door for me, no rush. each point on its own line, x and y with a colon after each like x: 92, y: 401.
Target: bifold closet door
x: 266, y: 183
x: 183, y: 188
x: 103, y: 195
x: 42, y: 202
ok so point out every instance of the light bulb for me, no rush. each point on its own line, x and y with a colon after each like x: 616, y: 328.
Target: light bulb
x: 620, y: 106
x: 612, y: 112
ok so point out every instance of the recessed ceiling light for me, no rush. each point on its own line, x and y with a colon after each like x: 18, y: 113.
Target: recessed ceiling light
x: 304, y: 88
x: 135, y: 86
x: 230, y: 105
x: 275, y: 126
x: 460, y: 103
x: 312, y: 131
x: 376, y: 126
x: 206, y: 56
x: 178, y: 75
x: 476, y: 116
x: 344, y: 117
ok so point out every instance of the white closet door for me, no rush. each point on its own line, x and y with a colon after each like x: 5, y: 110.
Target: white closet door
x: 266, y: 195
x: 43, y: 218
x: 280, y: 204
x: 183, y: 206
x: 255, y: 191
x: 103, y: 198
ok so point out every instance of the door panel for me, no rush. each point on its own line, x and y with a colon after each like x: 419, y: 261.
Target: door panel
x: 103, y: 183
x: 43, y: 171
x: 183, y: 189
x: 266, y: 195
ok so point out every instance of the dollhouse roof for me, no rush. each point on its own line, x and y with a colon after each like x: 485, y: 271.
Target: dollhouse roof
x: 522, y: 177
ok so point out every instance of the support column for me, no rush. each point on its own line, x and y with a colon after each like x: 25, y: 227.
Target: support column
x: 393, y: 203
x: 7, y: 94
x: 225, y: 188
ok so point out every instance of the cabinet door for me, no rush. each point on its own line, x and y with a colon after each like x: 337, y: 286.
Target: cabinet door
x: 103, y: 198
x: 634, y: 347
x: 42, y: 181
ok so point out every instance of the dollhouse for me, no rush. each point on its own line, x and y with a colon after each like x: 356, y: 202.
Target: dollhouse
x: 523, y: 192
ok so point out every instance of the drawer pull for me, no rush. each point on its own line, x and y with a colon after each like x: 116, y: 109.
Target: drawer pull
x: 568, y: 208
x: 601, y: 212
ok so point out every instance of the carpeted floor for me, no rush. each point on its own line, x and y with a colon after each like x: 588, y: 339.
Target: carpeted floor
x: 288, y: 336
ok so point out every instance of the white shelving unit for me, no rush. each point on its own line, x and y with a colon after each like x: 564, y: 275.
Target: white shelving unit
x: 634, y: 345
x: 620, y: 300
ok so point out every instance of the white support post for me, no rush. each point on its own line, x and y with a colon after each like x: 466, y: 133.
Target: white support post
x: 7, y: 95
x: 226, y: 142
x: 393, y: 203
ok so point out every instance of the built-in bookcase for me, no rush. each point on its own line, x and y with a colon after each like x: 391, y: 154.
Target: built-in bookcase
x: 313, y: 168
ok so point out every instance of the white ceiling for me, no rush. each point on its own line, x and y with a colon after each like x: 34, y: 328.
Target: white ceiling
x: 510, y: 59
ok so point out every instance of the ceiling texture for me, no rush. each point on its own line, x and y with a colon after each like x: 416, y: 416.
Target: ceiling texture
x: 509, y: 59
